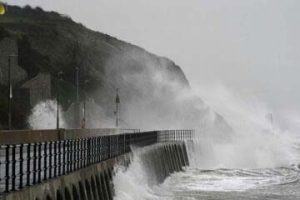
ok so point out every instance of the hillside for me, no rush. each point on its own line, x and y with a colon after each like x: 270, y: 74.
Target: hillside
x: 154, y: 91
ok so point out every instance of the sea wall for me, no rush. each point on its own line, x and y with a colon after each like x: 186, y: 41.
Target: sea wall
x: 95, y: 182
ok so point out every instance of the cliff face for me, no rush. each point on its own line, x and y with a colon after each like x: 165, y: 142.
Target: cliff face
x: 154, y: 91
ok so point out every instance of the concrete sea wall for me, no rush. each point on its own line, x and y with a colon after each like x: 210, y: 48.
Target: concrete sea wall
x: 95, y: 182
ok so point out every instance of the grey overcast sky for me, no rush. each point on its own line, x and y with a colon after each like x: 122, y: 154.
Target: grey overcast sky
x: 250, y: 46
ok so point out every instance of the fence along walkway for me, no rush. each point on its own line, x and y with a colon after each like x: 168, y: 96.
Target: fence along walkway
x: 30, y: 163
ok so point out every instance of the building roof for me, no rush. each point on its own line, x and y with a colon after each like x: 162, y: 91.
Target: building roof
x: 38, y: 81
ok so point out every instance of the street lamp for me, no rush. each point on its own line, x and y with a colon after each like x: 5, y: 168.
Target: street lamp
x: 83, y: 123
x: 10, y: 93
x: 59, y: 76
x: 77, y: 112
x: 117, y: 108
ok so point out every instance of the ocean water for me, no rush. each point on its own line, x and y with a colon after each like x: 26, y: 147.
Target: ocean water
x: 230, y: 184
x: 211, y: 177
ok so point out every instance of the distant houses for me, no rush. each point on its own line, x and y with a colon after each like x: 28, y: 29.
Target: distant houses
x: 25, y: 93
x: 9, y: 63
x: 9, y: 50
x: 31, y: 87
x: 39, y: 88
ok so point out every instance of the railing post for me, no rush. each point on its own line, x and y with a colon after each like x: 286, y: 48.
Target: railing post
x: 101, y: 149
x: 59, y: 157
x: 81, y: 153
x: 109, y: 147
x: 34, y: 162
x: 55, y: 158
x: 124, y: 143
x: 71, y: 155
x: 28, y: 165
x: 40, y: 163
x: 77, y: 147
x: 117, y: 146
x: 68, y: 155
x: 13, y: 169
x: 68, y: 149
x: 75, y: 153
x: 95, y: 149
x: 85, y: 152
x: 21, y: 167
x: 45, y: 160
x: 68, y: 159
x: 98, y: 149
x: 7, y: 169
x: 89, y: 151
x: 174, y: 135
x: 92, y: 150
x: 64, y: 157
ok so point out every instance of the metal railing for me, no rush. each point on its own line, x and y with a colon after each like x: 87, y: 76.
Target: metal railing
x: 173, y: 135
x: 26, y: 164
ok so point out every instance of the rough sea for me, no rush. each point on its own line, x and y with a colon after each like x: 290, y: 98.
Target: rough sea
x: 264, y: 169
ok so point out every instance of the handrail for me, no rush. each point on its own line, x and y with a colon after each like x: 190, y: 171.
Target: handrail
x: 31, y: 136
x: 29, y: 163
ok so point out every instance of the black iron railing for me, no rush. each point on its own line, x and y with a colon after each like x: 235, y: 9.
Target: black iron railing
x: 27, y: 164
x: 173, y: 135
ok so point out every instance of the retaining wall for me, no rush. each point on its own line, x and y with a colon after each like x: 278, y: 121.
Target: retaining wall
x: 95, y: 182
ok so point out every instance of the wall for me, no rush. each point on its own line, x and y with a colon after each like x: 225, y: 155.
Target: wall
x: 95, y: 182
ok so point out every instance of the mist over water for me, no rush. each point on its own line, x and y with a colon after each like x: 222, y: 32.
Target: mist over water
x: 258, y: 160
x: 257, y: 142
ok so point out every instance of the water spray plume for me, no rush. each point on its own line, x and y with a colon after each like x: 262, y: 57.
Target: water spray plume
x: 43, y: 116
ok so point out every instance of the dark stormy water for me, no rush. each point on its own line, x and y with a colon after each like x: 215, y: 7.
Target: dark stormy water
x: 250, y: 169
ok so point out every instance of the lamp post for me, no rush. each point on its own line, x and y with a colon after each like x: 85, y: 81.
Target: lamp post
x: 59, y: 76
x: 10, y: 93
x: 77, y: 112
x: 83, y: 123
x: 117, y: 107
